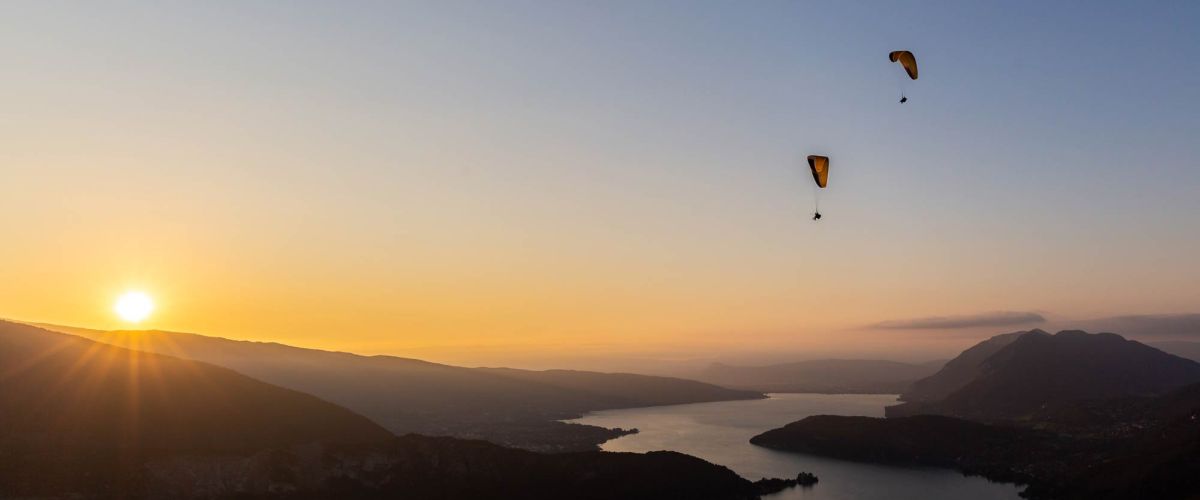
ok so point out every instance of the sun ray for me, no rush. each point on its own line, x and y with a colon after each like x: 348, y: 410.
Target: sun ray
x: 16, y: 369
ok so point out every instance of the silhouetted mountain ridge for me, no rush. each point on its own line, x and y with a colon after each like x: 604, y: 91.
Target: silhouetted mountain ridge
x: 73, y: 410
x: 86, y: 420
x: 828, y: 376
x: 1034, y: 369
x: 520, y: 408
x: 959, y: 371
x: 76, y: 391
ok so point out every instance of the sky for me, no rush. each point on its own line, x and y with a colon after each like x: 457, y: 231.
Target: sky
x: 530, y: 183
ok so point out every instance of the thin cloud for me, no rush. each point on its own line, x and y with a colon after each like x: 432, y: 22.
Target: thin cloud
x: 989, y: 319
x: 1149, y: 325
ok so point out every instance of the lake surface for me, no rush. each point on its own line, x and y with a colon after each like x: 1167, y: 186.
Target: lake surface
x: 720, y: 433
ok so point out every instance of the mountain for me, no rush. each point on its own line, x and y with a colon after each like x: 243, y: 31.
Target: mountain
x: 87, y: 420
x: 624, y: 389
x: 1036, y: 369
x: 75, y: 392
x: 1181, y: 348
x: 829, y: 376
x: 959, y: 371
x: 70, y: 406
x: 519, y: 408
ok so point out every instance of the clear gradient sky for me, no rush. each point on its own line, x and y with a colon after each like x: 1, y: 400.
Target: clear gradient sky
x: 490, y: 183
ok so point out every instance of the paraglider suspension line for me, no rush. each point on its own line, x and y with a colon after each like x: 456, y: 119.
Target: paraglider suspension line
x: 900, y: 85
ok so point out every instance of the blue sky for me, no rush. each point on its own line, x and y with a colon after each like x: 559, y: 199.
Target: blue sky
x: 645, y: 158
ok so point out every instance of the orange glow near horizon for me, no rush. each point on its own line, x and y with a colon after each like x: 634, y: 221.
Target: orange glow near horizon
x: 490, y: 305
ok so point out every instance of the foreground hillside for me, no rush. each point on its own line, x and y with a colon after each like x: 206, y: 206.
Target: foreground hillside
x: 419, y: 467
x: 519, y: 408
x: 82, y: 419
x: 1073, y: 415
x: 69, y: 406
x: 73, y: 392
x: 826, y: 376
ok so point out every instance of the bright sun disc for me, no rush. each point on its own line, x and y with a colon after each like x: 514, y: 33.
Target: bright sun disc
x: 134, y: 306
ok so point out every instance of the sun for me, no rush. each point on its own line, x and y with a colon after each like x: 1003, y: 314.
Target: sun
x: 134, y: 306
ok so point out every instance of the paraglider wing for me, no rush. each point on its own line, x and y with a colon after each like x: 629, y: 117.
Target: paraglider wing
x: 907, y: 60
x: 820, y: 169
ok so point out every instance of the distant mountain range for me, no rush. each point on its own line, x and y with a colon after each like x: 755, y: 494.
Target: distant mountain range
x: 518, y: 408
x: 83, y: 419
x: 828, y: 376
x: 1073, y: 415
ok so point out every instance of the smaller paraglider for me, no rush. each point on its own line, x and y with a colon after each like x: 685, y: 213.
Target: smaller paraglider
x: 819, y: 165
x: 908, y: 61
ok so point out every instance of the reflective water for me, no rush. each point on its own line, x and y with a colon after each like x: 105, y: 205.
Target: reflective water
x: 720, y: 433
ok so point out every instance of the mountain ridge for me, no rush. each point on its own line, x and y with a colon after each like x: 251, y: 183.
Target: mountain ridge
x: 828, y: 376
x: 199, y: 431
x: 520, y: 408
x: 959, y: 370
x: 79, y: 414
x: 1032, y: 370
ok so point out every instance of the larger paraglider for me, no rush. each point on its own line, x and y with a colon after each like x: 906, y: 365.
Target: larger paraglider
x: 819, y: 165
x: 820, y: 169
x: 908, y: 61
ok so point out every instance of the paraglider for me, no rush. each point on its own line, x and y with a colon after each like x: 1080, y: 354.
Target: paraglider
x: 909, y: 62
x: 819, y: 165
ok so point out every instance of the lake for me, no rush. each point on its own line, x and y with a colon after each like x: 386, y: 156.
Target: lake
x: 720, y: 433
